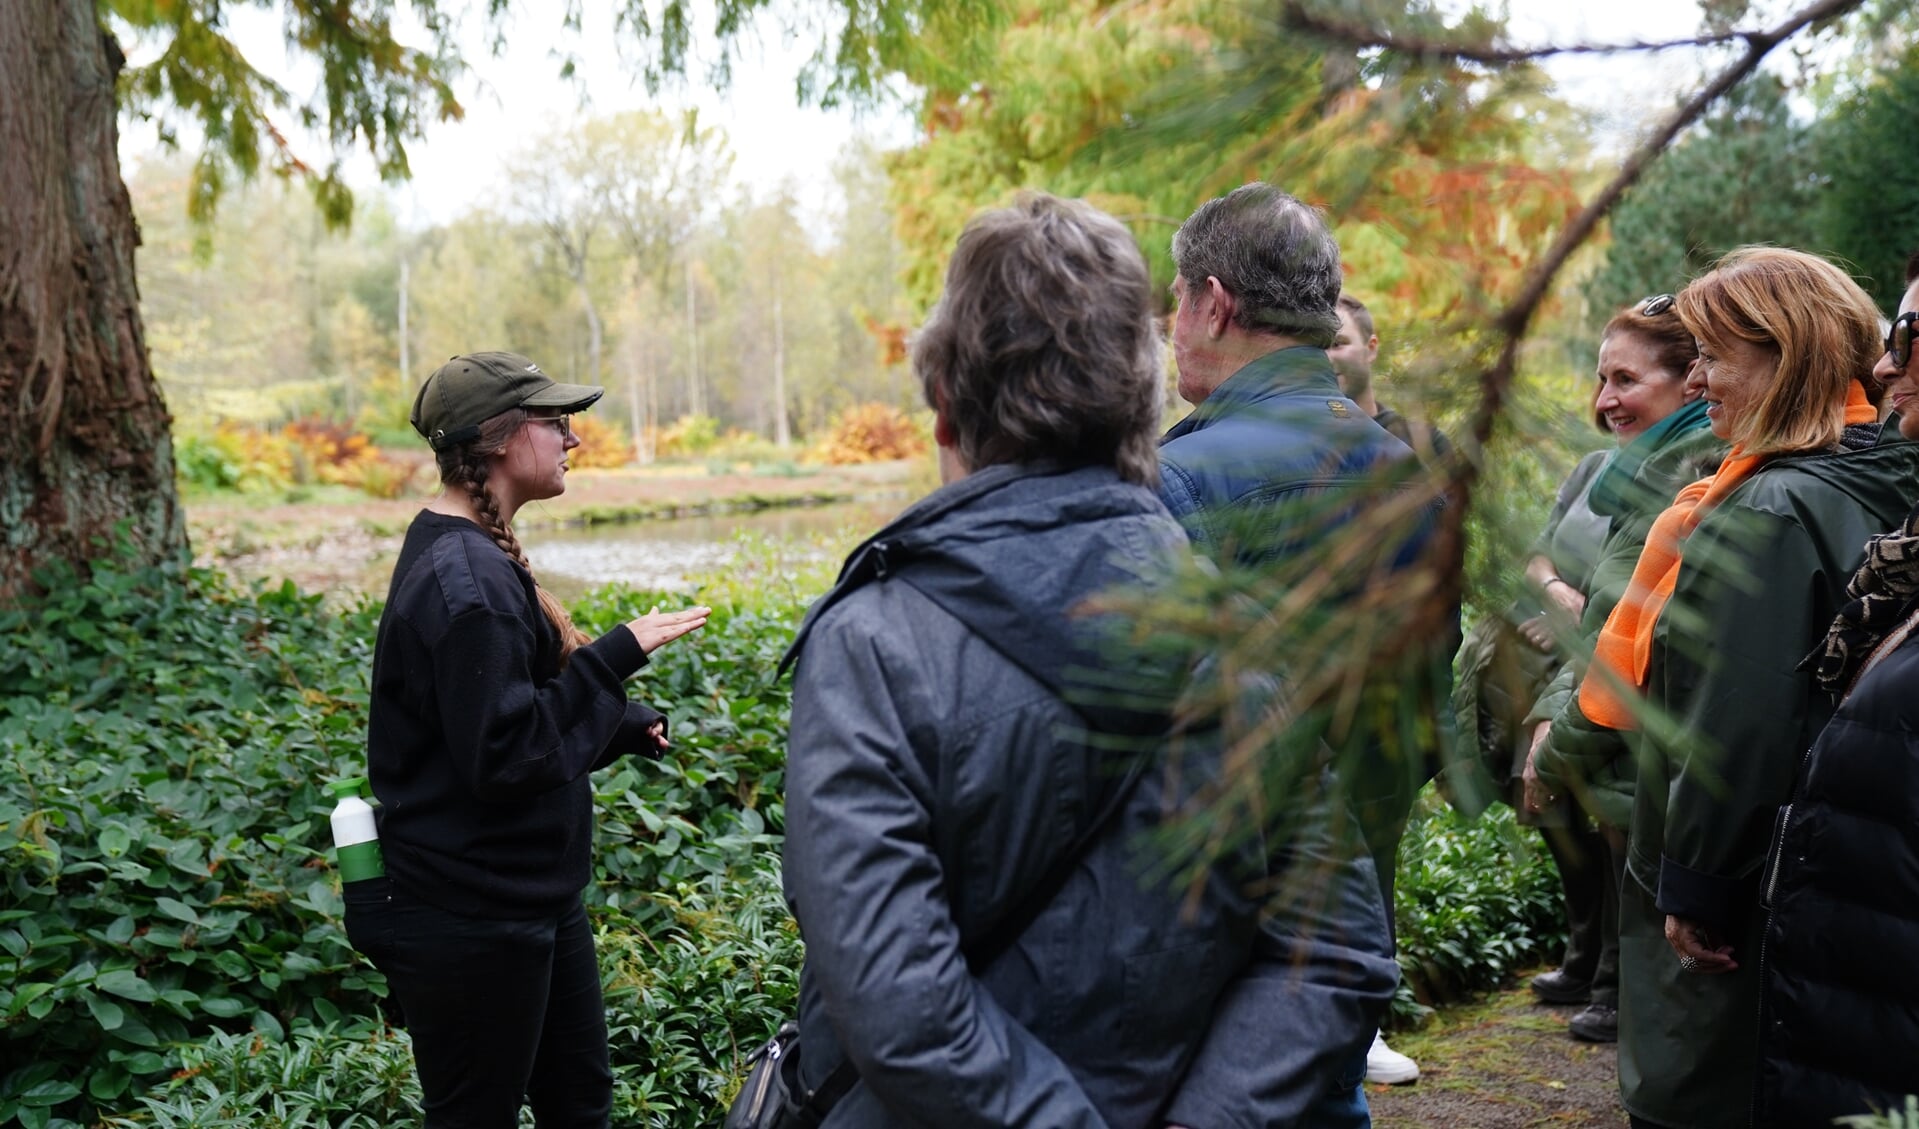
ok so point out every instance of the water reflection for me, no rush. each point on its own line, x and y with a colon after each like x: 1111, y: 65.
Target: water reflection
x: 673, y: 554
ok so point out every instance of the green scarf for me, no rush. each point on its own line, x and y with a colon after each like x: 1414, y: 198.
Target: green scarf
x: 1615, y: 491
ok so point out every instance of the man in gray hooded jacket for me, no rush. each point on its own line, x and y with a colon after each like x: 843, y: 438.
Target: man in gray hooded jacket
x: 961, y: 720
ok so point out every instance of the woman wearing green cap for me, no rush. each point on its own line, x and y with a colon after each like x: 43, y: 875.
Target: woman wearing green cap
x: 488, y: 710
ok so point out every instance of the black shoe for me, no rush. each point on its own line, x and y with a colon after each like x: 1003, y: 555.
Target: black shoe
x: 1556, y: 987
x: 1595, y: 1023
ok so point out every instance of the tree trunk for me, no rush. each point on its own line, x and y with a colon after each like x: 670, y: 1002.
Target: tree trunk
x: 595, y: 335
x: 648, y: 437
x: 406, y: 351
x: 781, y: 435
x: 695, y: 400
x: 84, y: 446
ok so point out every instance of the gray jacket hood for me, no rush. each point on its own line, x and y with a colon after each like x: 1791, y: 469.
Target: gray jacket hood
x: 1014, y: 551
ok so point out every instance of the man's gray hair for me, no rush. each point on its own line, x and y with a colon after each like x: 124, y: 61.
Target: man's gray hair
x: 1044, y: 344
x: 1273, y: 253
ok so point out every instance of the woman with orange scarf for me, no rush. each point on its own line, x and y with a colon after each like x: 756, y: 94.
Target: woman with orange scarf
x: 1699, y: 661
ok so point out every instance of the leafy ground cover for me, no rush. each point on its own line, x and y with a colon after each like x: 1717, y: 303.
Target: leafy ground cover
x: 1474, y: 901
x: 171, y: 948
x: 165, y: 740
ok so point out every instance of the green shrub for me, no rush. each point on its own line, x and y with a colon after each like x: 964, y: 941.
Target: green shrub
x: 1908, y: 1118
x: 1474, y: 901
x: 686, y: 998
x: 690, y: 436
x: 171, y: 950
x: 686, y: 1001
x: 712, y: 804
x: 163, y: 741
x: 164, y: 744
x: 343, y: 1078
x: 201, y: 465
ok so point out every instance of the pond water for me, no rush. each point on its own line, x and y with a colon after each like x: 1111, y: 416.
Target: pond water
x: 673, y: 554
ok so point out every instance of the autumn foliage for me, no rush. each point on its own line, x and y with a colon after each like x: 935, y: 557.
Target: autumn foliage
x: 302, y: 453
x: 870, y: 433
x: 1431, y: 175
x: 335, y: 454
x: 602, y: 444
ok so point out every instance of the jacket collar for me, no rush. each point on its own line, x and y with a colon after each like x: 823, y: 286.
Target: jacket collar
x: 906, y: 536
x: 1296, y: 368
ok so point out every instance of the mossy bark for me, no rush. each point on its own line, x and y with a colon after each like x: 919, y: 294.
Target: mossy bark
x: 84, y: 444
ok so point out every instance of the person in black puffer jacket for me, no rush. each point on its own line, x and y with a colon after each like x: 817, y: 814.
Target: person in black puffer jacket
x: 1839, y: 990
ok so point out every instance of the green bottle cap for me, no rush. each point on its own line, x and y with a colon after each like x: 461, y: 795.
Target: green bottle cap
x: 349, y: 786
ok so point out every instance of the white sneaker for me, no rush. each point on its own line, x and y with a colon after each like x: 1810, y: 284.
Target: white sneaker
x: 1387, y: 1067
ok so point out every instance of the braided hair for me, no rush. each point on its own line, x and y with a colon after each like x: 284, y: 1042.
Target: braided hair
x: 465, y: 466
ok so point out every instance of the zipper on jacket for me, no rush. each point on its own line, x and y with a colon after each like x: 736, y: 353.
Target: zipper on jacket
x: 1778, y: 859
x: 1765, y: 932
x: 771, y: 1052
x: 879, y: 549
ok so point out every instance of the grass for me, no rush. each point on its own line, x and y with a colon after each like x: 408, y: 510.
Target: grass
x: 1501, y: 1060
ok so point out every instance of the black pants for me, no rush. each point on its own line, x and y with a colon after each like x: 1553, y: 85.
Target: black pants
x: 1591, y: 862
x: 501, y: 1012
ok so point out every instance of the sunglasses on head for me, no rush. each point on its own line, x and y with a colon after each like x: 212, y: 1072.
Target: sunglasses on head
x: 1899, y: 338
x: 1654, y: 306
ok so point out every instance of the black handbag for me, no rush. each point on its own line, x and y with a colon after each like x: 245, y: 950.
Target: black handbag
x: 771, y: 1096
x: 767, y: 1099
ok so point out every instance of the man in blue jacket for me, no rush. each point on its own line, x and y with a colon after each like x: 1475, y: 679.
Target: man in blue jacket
x: 1306, y: 501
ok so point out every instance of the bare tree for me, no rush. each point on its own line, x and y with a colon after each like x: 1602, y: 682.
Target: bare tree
x: 553, y: 188
x: 656, y: 179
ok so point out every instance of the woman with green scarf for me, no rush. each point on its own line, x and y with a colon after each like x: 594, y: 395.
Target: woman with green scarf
x: 1584, y: 787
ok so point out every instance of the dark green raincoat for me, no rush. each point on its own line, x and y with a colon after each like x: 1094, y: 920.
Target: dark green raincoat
x: 1579, y: 759
x: 1760, y: 580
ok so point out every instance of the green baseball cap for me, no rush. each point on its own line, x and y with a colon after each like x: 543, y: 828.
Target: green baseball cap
x: 472, y: 388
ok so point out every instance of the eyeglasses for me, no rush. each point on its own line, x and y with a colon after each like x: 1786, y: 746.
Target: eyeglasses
x: 562, y: 424
x: 1654, y: 306
x: 1899, y: 338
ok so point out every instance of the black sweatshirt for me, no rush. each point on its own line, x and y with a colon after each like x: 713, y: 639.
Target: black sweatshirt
x: 478, y: 744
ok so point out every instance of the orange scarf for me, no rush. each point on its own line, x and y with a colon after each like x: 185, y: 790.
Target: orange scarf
x: 1624, y: 651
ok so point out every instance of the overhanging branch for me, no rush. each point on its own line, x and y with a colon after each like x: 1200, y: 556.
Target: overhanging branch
x: 1513, y: 321
x: 1296, y: 16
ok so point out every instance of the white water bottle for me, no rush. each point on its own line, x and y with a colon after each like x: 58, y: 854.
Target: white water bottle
x: 355, y: 835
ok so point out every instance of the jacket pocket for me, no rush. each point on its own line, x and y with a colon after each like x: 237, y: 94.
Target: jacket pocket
x: 369, y: 916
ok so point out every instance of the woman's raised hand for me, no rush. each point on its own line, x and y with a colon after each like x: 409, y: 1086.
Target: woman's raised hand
x: 656, y: 629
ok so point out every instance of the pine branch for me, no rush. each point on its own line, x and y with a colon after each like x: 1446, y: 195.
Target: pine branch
x: 1512, y: 323
x: 1295, y: 16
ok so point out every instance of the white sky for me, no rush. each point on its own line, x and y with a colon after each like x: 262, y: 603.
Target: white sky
x: 514, y: 99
